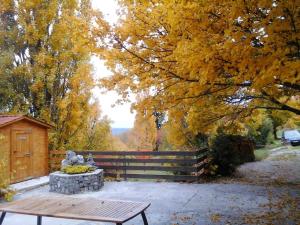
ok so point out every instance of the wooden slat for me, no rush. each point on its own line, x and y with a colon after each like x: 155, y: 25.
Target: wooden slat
x: 200, y: 167
x: 122, y: 160
x: 201, y: 158
x: 150, y: 168
x: 57, y: 152
x: 144, y: 168
x: 155, y: 177
x: 144, y: 153
x: 56, y: 160
x: 138, y: 160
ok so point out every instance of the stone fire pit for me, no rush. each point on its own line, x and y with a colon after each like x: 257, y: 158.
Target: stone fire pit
x: 76, y: 183
x: 76, y: 175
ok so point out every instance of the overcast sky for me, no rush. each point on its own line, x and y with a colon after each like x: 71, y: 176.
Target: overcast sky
x: 120, y: 114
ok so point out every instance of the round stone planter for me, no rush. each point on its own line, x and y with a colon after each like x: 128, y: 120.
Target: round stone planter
x: 76, y: 183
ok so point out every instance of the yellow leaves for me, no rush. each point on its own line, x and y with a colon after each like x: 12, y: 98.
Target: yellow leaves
x: 94, y: 133
x: 70, y: 4
x: 208, y: 62
x: 51, y: 75
x: 215, y: 218
x: 6, y: 5
x: 6, y: 193
x: 37, y: 86
x: 176, y: 134
x: 143, y: 134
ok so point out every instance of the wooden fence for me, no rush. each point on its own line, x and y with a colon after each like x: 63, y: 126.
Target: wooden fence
x: 165, y: 165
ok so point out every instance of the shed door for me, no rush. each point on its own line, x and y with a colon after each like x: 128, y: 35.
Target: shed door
x: 21, y: 155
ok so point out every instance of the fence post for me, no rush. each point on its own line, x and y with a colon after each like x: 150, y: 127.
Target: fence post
x: 197, y: 153
x: 124, y: 164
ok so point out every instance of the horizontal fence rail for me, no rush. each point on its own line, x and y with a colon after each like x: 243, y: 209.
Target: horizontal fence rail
x: 157, y: 165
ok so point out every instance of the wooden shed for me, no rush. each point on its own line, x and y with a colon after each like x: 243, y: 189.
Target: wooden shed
x: 23, y: 147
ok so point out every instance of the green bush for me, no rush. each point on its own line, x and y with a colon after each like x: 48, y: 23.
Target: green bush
x: 264, y: 134
x: 229, y: 151
x: 77, y: 169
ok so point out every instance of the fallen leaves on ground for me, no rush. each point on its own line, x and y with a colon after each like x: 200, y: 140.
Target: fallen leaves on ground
x: 279, y: 210
x: 215, y: 218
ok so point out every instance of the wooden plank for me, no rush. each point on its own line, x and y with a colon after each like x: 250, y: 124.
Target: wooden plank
x: 200, y: 167
x: 56, y: 160
x: 155, y: 177
x: 143, y: 168
x: 201, y: 158
x: 176, y: 160
x: 143, y: 153
x: 53, y: 166
x: 57, y: 153
x: 150, y: 168
x: 122, y: 160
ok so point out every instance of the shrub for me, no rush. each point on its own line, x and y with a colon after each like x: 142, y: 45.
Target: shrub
x: 6, y: 193
x: 229, y: 151
x: 264, y: 134
x: 77, y: 169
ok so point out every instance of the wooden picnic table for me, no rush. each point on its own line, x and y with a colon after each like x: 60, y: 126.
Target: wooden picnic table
x: 76, y: 208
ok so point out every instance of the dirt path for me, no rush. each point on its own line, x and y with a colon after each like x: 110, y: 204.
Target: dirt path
x: 282, y: 166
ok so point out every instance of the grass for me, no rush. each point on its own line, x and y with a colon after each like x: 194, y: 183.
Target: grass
x: 294, y: 147
x: 263, y: 153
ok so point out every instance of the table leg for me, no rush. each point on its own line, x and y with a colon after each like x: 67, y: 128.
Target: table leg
x: 144, y: 218
x: 39, y: 220
x: 2, y: 217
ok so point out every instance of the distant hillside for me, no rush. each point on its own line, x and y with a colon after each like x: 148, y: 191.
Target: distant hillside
x: 118, y: 131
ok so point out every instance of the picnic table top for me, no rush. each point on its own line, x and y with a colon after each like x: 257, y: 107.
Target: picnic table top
x: 77, y: 208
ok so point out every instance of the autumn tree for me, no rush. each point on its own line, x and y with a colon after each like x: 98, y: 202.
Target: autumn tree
x: 118, y: 144
x: 8, y: 37
x: 279, y: 119
x: 45, y: 65
x: 95, y: 134
x: 144, y: 131
x: 159, y: 121
x: 143, y: 134
x: 207, y: 61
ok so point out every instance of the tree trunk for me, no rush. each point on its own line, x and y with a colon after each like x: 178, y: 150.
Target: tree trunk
x: 275, y: 133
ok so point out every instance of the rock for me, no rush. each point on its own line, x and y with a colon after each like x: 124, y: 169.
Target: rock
x: 90, y: 161
x: 72, y: 160
x: 80, y: 159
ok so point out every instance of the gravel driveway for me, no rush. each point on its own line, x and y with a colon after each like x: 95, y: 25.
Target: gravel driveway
x: 281, y: 166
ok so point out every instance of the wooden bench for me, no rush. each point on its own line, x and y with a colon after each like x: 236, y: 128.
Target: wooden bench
x: 76, y: 208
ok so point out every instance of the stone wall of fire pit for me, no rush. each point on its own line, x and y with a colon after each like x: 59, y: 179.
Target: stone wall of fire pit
x: 76, y: 183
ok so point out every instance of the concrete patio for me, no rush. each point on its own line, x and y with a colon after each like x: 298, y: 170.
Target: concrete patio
x: 172, y: 203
